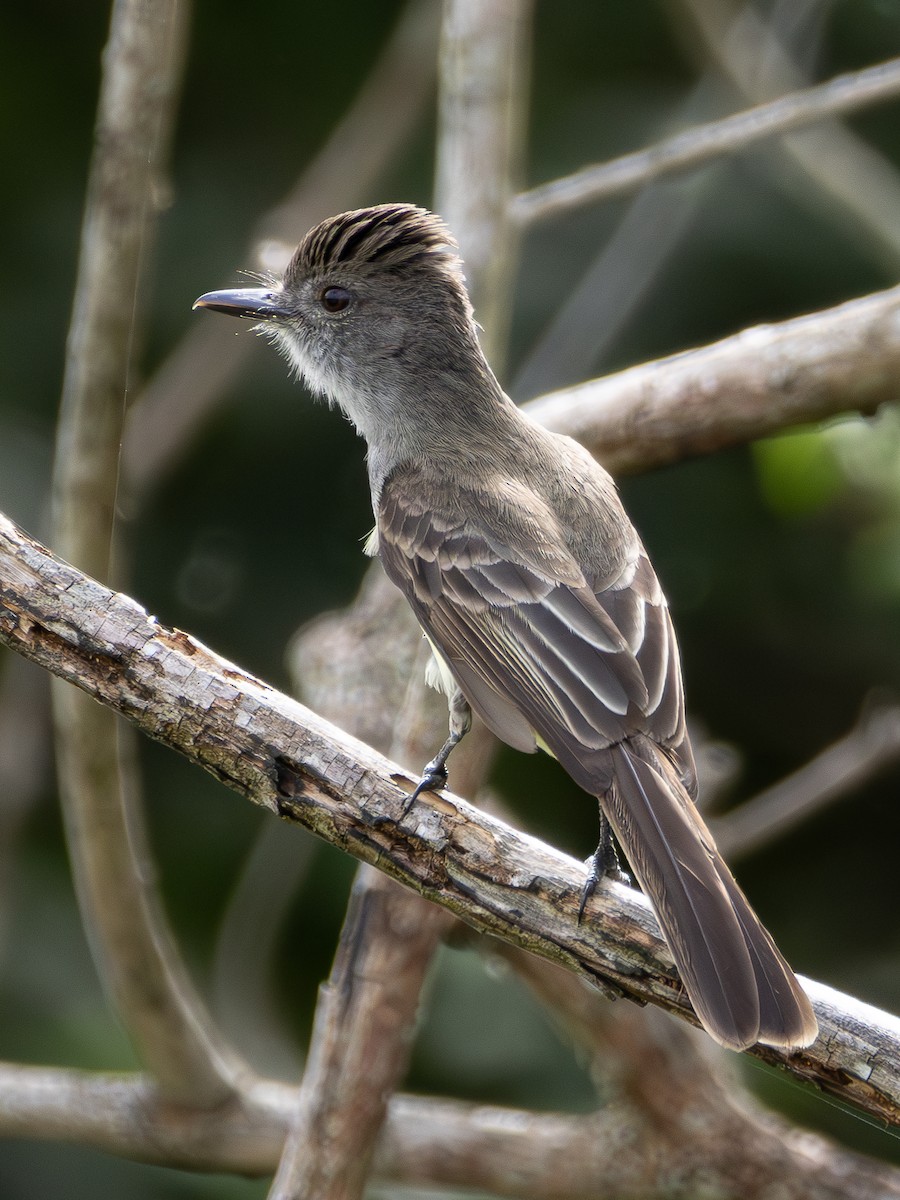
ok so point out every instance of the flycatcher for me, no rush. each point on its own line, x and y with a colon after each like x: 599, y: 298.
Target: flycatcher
x: 513, y: 549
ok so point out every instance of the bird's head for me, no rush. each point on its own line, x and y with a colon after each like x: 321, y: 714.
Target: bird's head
x: 371, y: 300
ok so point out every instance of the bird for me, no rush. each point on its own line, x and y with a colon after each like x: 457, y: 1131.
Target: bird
x: 513, y: 549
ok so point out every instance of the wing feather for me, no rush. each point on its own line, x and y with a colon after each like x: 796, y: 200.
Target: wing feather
x: 586, y: 662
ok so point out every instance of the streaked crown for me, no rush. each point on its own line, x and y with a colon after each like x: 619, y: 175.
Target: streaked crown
x: 386, y: 238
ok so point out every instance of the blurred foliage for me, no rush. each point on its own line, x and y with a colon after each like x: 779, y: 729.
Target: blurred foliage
x: 782, y: 561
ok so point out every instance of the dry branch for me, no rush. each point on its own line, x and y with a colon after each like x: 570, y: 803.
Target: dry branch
x: 366, y: 1014
x: 484, y: 72
x: 758, y: 382
x: 845, y: 176
x: 285, y: 758
x: 135, y: 952
x: 433, y: 1143
x: 707, y: 142
x: 361, y: 1042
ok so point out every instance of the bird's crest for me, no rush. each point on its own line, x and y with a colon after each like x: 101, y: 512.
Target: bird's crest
x: 388, y: 237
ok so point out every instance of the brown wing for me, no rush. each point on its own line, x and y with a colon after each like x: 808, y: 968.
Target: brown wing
x: 519, y: 623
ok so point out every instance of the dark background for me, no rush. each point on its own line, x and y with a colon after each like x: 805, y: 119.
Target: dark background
x: 781, y: 560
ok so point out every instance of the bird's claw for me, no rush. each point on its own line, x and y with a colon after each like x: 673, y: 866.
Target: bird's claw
x: 602, y: 865
x: 434, y: 779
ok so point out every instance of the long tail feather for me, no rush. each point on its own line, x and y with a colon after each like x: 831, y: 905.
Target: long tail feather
x: 740, y: 986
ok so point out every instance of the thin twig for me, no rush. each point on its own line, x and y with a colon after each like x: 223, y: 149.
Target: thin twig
x: 288, y: 760
x: 839, y: 770
x: 851, y: 178
x: 595, y: 310
x: 705, y: 143
x: 134, y: 948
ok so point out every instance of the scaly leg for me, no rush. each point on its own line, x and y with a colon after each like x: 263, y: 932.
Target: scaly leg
x: 434, y: 777
x: 605, y: 862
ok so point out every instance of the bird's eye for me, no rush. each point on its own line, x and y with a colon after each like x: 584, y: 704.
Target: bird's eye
x: 335, y: 299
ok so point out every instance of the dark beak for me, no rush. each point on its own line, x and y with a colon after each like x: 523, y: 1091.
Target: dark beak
x: 259, y: 304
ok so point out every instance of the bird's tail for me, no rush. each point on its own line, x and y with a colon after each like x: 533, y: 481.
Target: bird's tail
x: 740, y: 986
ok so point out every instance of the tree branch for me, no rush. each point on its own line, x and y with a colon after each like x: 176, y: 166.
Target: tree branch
x: 758, y: 382
x: 285, y: 758
x: 362, y: 1036
x: 849, y: 176
x: 836, y: 772
x: 433, y: 1143
x: 707, y: 142
x: 361, y: 1041
x: 484, y: 73
x: 135, y: 952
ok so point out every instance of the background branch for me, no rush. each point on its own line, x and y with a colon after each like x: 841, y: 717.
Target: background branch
x: 484, y: 73
x: 758, y: 382
x: 602, y: 311
x: 704, y: 143
x: 435, y: 1143
x: 835, y: 773
x: 848, y: 175
x: 255, y: 531
x: 135, y: 952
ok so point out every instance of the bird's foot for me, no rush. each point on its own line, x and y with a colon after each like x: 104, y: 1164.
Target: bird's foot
x: 434, y: 779
x: 603, y: 864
